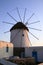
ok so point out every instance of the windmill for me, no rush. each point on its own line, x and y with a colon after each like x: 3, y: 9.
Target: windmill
x: 19, y: 32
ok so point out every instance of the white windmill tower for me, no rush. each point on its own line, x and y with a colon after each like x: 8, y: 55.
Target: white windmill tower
x: 19, y: 34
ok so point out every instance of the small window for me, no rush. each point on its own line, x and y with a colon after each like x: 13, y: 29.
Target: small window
x: 7, y: 48
x: 22, y: 34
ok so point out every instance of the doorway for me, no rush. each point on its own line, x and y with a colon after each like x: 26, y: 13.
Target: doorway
x: 19, y: 51
x: 34, y: 54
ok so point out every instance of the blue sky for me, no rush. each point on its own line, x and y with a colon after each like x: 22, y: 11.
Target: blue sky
x: 33, y: 6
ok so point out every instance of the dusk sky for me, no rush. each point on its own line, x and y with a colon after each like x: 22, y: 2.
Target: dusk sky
x: 33, y: 6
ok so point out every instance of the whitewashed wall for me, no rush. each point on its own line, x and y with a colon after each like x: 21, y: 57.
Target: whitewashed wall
x: 28, y: 52
x: 18, y: 40
x: 3, y: 52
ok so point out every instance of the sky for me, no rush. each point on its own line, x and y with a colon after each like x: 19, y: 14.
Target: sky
x: 32, y: 6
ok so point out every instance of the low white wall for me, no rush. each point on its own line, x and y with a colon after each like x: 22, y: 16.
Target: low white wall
x: 6, y: 49
x: 28, y: 52
x: 3, y: 52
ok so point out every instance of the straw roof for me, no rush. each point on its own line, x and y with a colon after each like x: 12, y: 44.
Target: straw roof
x: 19, y: 25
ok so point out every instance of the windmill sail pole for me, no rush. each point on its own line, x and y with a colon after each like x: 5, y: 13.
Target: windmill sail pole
x: 19, y: 14
x: 11, y: 16
x: 35, y: 29
x: 33, y: 35
x: 24, y: 15
x: 33, y: 22
x: 8, y: 23
x: 29, y: 19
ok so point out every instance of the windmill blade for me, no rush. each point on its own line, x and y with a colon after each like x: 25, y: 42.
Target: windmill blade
x: 6, y: 31
x: 28, y: 38
x: 8, y: 23
x: 15, y: 35
x: 33, y: 22
x: 29, y: 19
x: 12, y: 17
x: 35, y: 29
x: 19, y: 14
x: 34, y: 36
x: 24, y: 15
x: 26, y: 23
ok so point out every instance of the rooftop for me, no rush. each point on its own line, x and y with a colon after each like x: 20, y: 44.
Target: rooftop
x: 19, y: 25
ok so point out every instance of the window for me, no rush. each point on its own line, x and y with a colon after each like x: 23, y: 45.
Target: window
x: 7, y: 48
x: 22, y: 34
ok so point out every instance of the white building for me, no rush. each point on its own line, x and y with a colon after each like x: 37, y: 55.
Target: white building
x: 36, y: 52
x: 6, y: 49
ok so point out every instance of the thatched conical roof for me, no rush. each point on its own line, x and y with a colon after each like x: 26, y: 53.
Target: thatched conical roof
x: 19, y: 25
